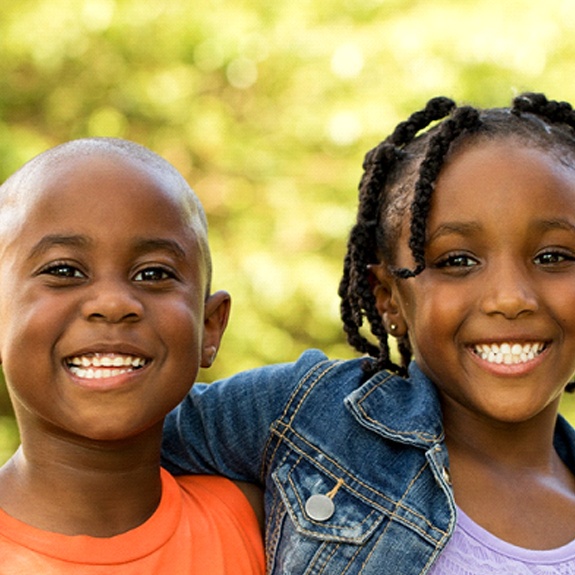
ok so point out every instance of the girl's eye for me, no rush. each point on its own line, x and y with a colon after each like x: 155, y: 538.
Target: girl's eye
x: 552, y: 258
x: 459, y: 261
x: 154, y: 274
x: 63, y: 270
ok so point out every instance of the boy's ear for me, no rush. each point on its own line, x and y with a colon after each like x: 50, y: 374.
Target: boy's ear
x: 216, y: 315
x: 384, y: 286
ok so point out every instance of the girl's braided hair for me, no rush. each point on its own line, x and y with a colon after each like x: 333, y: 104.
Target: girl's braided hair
x: 400, y: 174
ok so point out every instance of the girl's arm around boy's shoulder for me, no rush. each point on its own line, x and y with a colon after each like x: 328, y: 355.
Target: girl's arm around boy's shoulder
x: 223, y: 427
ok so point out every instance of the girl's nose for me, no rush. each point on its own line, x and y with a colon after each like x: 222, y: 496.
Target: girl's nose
x: 114, y: 302
x: 509, y: 291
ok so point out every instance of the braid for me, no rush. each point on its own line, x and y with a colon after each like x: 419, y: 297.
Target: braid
x: 355, y: 290
x: 551, y: 110
x: 464, y: 119
x: 354, y: 287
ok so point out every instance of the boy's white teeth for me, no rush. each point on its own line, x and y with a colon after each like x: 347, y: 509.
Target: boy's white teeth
x: 102, y: 365
x: 509, y: 353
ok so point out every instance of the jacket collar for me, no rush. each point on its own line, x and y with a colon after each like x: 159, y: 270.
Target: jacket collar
x: 400, y: 409
x: 408, y: 411
x: 564, y: 442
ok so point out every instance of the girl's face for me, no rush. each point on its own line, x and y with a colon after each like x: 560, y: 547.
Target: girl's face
x: 491, y: 319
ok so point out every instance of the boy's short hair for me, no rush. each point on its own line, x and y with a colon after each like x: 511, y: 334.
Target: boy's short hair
x: 191, y: 205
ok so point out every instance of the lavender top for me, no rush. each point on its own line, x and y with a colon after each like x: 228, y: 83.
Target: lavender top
x: 474, y: 551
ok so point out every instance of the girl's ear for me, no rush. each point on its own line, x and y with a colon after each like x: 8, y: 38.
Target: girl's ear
x: 216, y: 315
x: 384, y: 286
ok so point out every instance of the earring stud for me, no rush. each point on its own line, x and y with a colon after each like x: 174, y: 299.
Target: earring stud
x: 392, y: 326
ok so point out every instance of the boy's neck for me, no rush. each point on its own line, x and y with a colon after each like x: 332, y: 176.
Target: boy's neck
x: 70, y: 487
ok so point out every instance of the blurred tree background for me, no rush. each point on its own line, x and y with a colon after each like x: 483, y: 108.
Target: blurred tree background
x: 267, y: 108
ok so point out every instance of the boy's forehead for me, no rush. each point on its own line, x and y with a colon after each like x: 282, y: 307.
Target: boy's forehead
x: 63, y: 171
x: 66, y: 171
x: 52, y: 173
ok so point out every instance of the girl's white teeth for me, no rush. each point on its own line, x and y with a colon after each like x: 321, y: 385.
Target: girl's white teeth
x: 100, y: 365
x: 509, y: 353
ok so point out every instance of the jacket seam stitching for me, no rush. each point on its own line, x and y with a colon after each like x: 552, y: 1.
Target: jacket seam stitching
x: 394, y: 504
x: 303, y: 381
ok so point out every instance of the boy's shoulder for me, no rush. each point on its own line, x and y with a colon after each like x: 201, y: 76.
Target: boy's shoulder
x: 314, y: 363
x: 218, y: 509
x: 311, y: 365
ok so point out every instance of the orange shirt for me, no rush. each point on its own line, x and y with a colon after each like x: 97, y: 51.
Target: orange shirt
x: 203, y: 525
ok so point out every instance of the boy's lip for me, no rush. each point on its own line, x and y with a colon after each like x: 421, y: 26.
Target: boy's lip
x: 102, y: 366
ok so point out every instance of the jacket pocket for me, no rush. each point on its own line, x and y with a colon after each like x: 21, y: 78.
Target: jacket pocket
x: 349, y: 518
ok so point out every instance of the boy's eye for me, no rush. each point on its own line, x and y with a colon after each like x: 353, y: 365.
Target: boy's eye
x: 62, y: 270
x: 154, y: 274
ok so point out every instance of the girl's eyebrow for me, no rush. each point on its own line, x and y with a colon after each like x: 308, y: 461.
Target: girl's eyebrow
x: 469, y: 228
x: 457, y: 228
x: 556, y: 224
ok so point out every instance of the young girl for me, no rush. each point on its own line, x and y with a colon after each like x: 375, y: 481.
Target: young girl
x: 455, y: 461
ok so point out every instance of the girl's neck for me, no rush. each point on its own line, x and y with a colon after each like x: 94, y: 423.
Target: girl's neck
x: 510, y: 479
x: 91, y: 488
x: 507, y: 444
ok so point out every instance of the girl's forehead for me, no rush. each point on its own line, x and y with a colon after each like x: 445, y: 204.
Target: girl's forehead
x: 489, y: 158
x: 506, y: 179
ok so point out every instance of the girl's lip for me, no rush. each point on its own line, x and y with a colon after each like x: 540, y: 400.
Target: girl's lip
x: 509, y: 352
x: 510, y: 357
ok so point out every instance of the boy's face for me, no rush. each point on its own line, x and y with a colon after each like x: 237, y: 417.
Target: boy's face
x: 101, y: 268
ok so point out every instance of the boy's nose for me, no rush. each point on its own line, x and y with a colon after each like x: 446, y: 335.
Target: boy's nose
x: 508, y: 291
x: 114, y: 302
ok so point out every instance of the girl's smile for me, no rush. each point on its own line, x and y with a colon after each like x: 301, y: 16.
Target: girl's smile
x: 509, y: 353
x: 509, y: 359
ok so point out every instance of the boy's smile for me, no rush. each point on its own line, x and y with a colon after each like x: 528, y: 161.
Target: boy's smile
x: 104, y: 365
x: 100, y: 370
x: 102, y: 308
x: 492, y: 317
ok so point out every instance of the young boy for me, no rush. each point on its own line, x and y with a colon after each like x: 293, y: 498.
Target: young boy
x: 105, y: 318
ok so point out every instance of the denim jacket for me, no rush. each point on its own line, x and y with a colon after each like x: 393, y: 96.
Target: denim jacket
x: 374, y: 449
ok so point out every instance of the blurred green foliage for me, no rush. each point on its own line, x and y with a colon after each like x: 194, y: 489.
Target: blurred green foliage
x: 267, y: 109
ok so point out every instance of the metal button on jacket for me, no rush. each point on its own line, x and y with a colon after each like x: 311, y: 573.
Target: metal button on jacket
x: 319, y: 507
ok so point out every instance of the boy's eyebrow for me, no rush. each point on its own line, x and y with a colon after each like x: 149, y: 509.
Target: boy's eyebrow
x: 141, y: 245
x: 52, y: 240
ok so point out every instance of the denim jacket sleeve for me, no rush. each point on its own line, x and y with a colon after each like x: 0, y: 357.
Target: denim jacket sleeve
x: 315, y: 430
x: 224, y: 427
